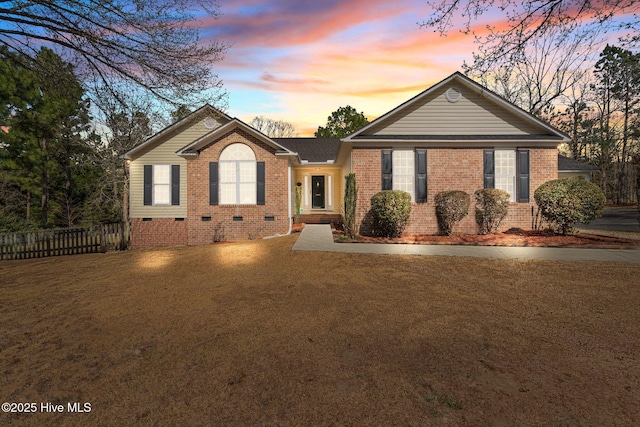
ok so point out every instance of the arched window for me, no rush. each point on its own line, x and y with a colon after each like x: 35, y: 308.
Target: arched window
x: 238, y: 176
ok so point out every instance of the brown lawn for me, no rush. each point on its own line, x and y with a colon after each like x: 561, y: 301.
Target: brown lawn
x: 254, y: 334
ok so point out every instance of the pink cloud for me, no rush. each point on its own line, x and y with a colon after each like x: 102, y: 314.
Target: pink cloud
x: 268, y: 77
x: 291, y: 22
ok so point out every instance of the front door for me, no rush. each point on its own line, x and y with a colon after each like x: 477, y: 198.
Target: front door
x: 317, y: 192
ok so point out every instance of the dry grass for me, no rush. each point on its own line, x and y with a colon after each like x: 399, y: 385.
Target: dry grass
x: 252, y: 333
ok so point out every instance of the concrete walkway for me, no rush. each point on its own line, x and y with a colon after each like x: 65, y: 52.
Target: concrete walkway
x: 319, y: 238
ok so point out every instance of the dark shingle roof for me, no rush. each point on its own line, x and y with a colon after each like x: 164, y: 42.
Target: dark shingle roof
x: 312, y: 149
x: 566, y: 164
x: 462, y: 137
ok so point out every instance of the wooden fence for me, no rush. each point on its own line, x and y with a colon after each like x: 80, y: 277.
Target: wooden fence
x: 64, y: 241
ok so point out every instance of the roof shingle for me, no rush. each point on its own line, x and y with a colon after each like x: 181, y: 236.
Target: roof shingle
x: 313, y: 150
x: 566, y: 164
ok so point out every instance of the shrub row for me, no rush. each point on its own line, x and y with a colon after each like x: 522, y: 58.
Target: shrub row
x: 390, y: 210
x: 562, y: 202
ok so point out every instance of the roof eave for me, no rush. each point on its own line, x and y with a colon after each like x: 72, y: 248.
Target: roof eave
x: 457, y: 141
x: 170, y: 128
x: 233, y: 124
x: 307, y: 162
x: 473, y: 85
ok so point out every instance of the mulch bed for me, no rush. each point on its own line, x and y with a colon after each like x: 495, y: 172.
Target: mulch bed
x: 511, y: 237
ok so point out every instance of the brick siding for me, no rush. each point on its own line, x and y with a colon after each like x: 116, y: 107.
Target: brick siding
x: 222, y: 224
x: 448, y: 169
x: 158, y: 232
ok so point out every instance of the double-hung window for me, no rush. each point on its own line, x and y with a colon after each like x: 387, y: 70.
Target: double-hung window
x: 505, y: 172
x: 508, y: 170
x: 403, y: 171
x: 161, y: 185
x: 406, y: 170
x: 237, y: 178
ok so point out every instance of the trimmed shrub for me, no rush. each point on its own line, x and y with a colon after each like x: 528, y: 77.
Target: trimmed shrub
x: 390, y: 210
x: 492, y: 206
x: 296, y: 215
x: 451, y: 207
x: 566, y: 201
x: 350, y: 201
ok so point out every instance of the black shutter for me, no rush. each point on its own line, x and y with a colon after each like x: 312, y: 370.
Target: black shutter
x: 175, y: 185
x: 421, y: 176
x: 148, y: 184
x: 523, y: 176
x: 213, y: 183
x: 387, y: 170
x: 489, y: 169
x: 260, y: 199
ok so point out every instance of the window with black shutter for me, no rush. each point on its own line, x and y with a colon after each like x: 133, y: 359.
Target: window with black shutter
x: 523, y: 176
x: 421, y: 176
x: 213, y: 183
x: 387, y: 170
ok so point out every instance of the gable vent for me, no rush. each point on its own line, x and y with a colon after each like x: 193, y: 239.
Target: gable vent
x: 453, y: 94
x: 210, y: 123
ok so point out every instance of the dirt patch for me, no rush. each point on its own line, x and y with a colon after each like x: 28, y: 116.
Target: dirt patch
x: 253, y: 333
x: 512, y: 237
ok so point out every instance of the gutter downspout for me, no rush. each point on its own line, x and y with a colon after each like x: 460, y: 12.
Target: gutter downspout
x: 289, y: 180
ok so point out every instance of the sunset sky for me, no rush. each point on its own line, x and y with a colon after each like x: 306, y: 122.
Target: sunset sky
x: 299, y: 60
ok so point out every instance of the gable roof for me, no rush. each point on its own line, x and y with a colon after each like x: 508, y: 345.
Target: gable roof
x: 525, y: 126
x: 567, y: 164
x: 194, y: 147
x: 206, y: 109
x: 312, y: 150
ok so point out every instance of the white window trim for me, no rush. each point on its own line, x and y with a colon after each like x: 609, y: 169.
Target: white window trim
x: 329, y: 192
x: 412, y: 175
x: 237, y: 182
x: 510, y: 176
x: 155, y: 184
x: 306, y: 191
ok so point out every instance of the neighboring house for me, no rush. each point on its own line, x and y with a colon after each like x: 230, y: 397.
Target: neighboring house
x: 568, y: 167
x: 210, y: 176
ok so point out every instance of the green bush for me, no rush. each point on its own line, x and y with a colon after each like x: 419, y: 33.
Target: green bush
x: 492, y: 205
x: 390, y: 210
x: 566, y: 201
x: 451, y: 207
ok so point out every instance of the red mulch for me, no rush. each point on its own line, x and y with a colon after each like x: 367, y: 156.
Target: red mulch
x: 512, y: 237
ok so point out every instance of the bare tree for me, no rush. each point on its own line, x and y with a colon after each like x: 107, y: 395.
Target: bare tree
x: 522, y: 22
x: 273, y: 128
x: 120, y: 126
x: 154, y: 44
x: 549, y: 66
x: 575, y: 116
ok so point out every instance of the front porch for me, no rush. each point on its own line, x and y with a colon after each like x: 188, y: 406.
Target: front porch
x: 320, y: 218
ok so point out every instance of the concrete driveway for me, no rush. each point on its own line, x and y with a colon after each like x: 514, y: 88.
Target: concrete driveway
x: 616, y: 219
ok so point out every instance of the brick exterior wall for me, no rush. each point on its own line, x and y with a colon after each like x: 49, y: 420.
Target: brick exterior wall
x: 448, y: 169
x: 222, y: 225
x: 158, y: 232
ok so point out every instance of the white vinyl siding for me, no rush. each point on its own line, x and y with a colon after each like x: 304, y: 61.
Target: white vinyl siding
x: 238, y: 175
x: 163, y: 153
x: 473, y: 114
x: 404, y: 171
x: 505, y: 171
